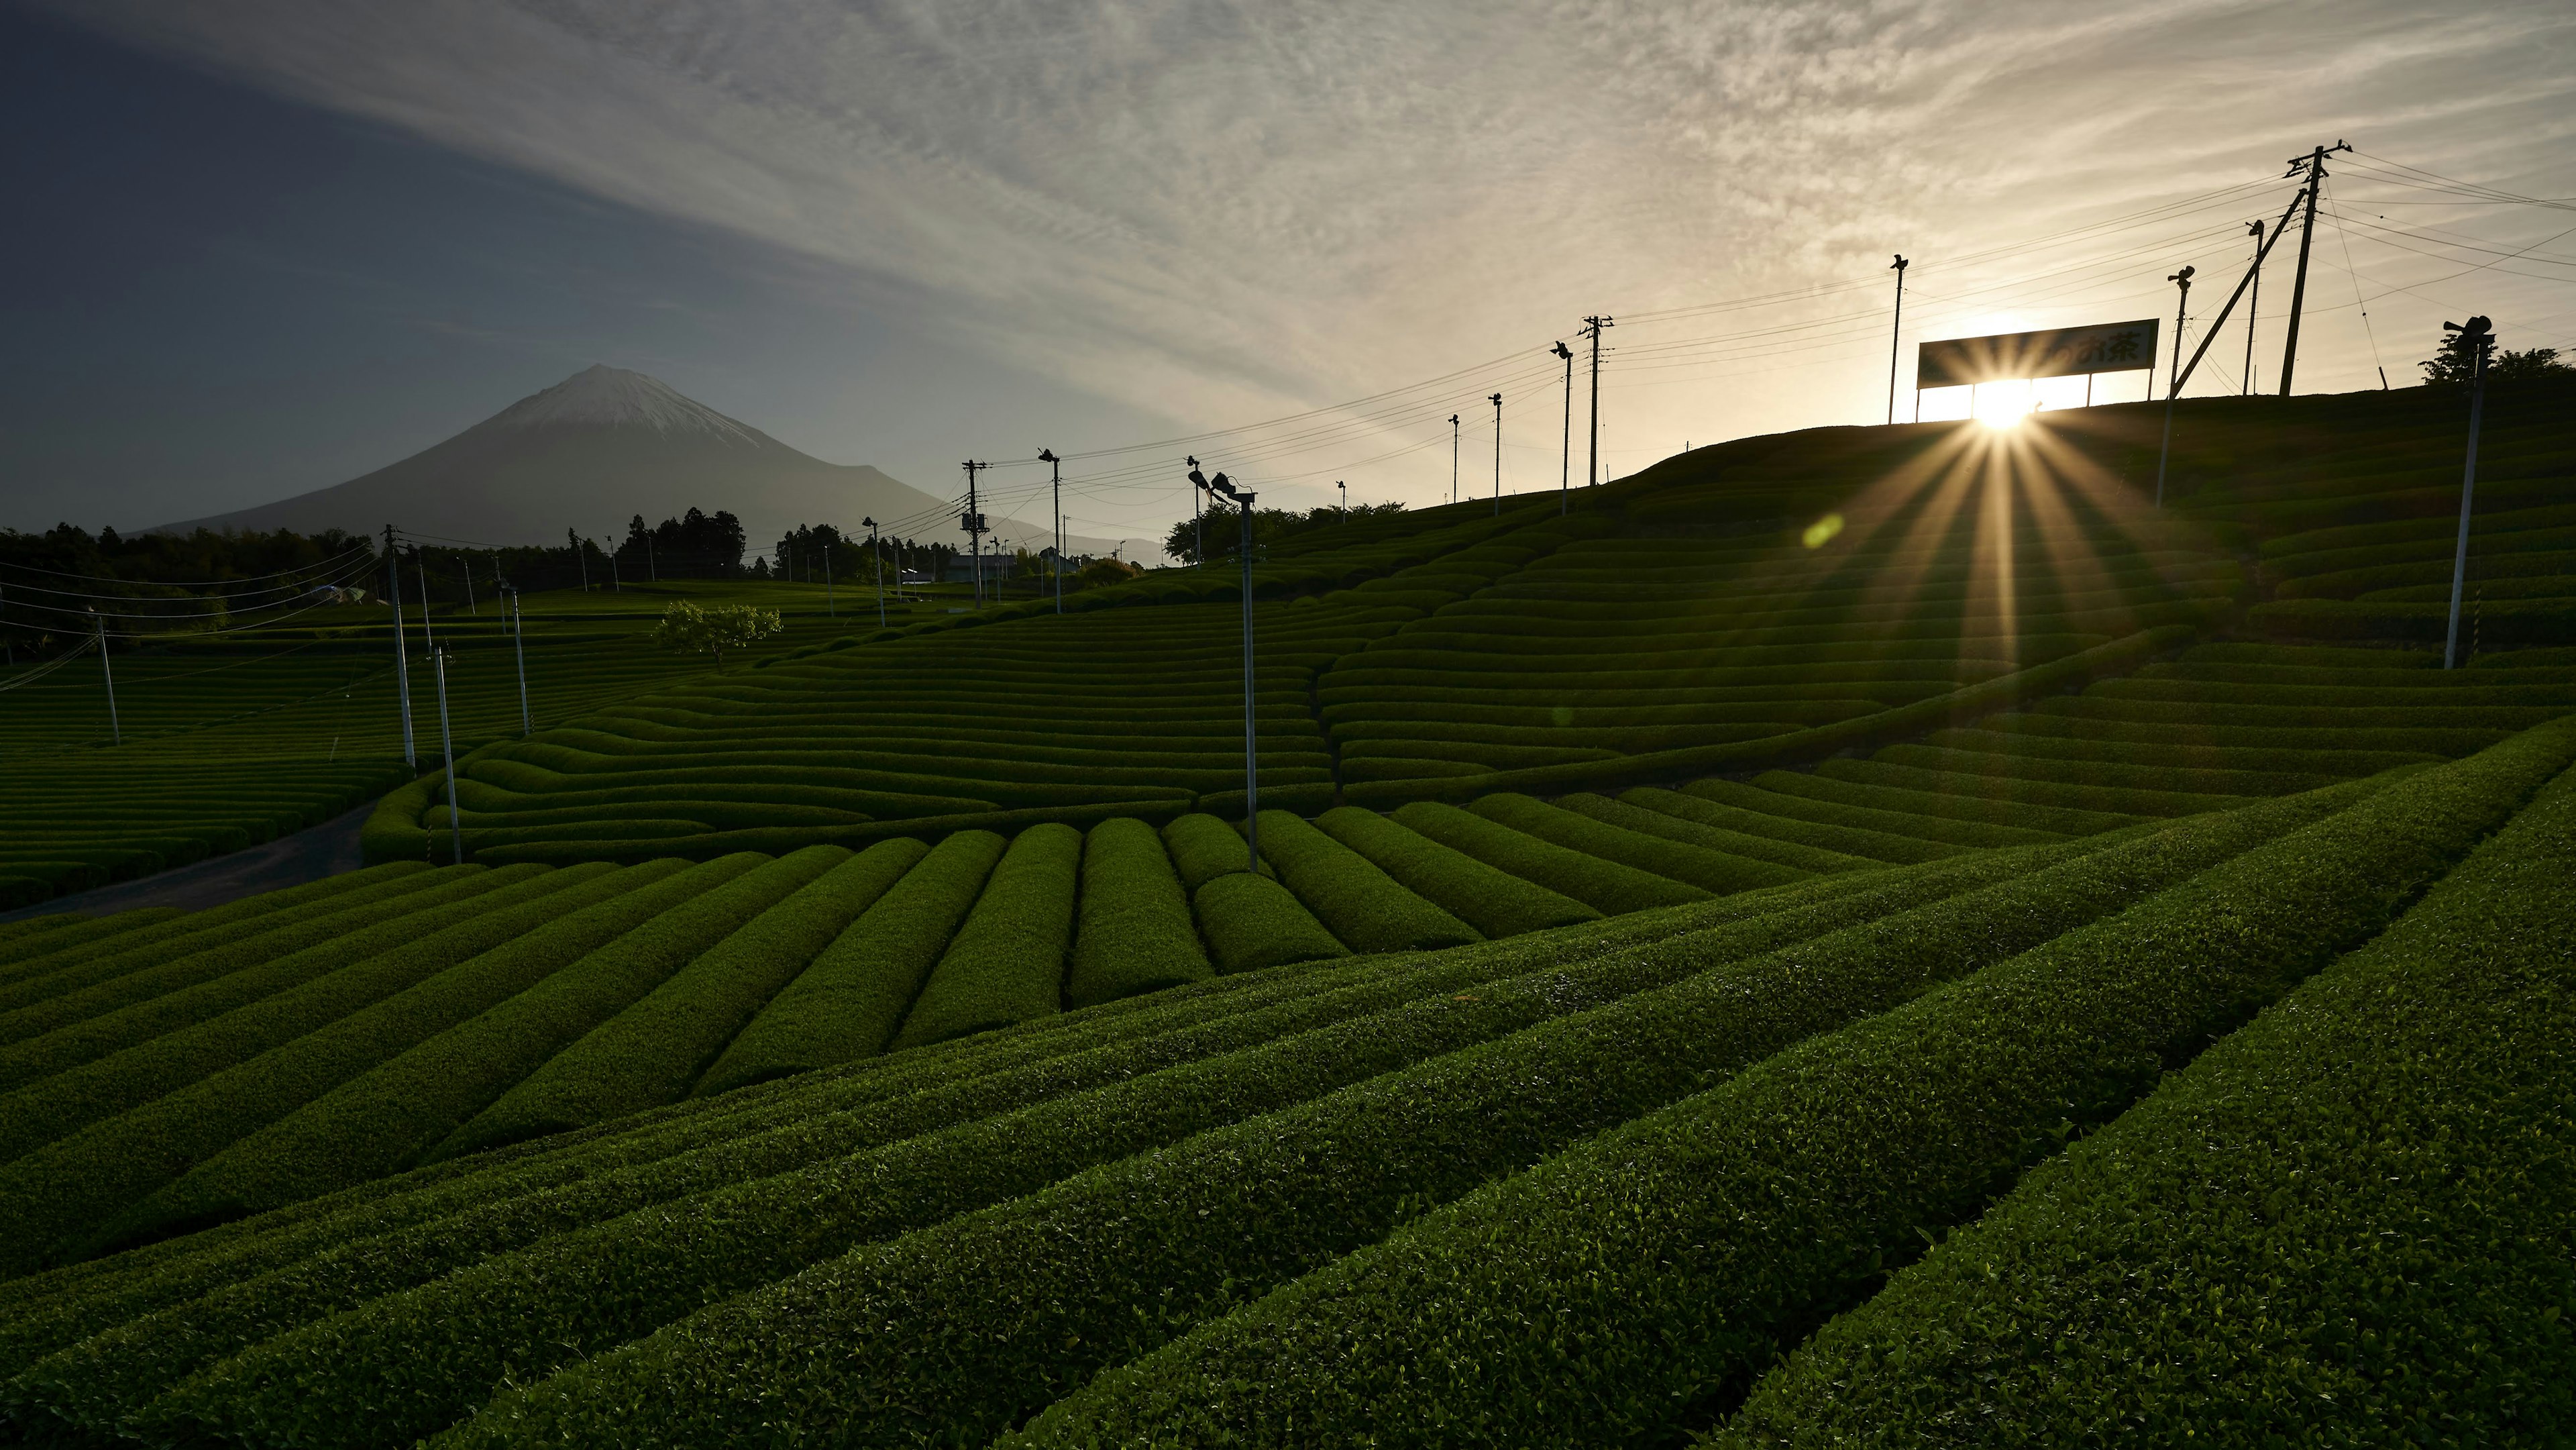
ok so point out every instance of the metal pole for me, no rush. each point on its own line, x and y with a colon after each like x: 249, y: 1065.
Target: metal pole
x: 974, y: 522
x: 2253, y: 304
x: 1565, y: 466
x: 402, y: 661
x: 519, y: 642
x: 1055, y: 471
x: 877, y: 553
x: 1894, y: 332
x: 2315, y: 161
x: 420, y: 565
x: 455, y: 812
x: 1592, y: 454
x: 2181, y: 280
x: 1453, y: 458
x: 1198, y: 524
x: 2481, y: 339
x: 828, y: 611
x: 468, y: 561
x: 1251, y: 749
x: 1498, y: 455
x: 652, y: 567
x: 115, y: 730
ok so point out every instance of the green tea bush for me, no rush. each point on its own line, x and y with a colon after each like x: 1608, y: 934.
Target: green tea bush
x: 1641, y: 820
x: 1251, y: 922
x: 1007, y: 962
x: 851, y: 1001
x: 402, y: 954
x: 76, y: 1027
x: 1203, y: 847
x: 1605, y: 886
x: 1494, y: 902
x: 655, y: 1050
x: 578, y: 1000
x: 1710, y: 869
x: 2344, y: 1219
x: 361, y: 1098
x: 1134, y: 933
x: 962, y: 1329
x: 1362, y: 906
x: 1682, y: 1251
x: 1751, y: 811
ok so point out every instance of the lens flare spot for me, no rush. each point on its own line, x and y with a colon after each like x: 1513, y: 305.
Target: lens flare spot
x: 1823, y: 530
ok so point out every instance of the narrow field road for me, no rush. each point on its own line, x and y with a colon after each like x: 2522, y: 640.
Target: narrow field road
x: 308, y: 855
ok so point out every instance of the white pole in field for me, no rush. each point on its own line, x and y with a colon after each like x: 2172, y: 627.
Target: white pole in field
x: 402, y: 659
x: 447, y: 741
x: 519, y: 641
x: 117, y: 731
x: 877, y: 554
x: 2480, y: 335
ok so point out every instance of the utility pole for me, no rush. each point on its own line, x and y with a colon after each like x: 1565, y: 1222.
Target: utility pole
x: 2182, y: 281
x: 1592, y: 456
x: 1219, y: 485
x: 1895, y: 333
x: 2315, y: 162
x: 115, y: 730
x: 1565, y: 468
x: 519, y: 642
x: 468, y: 561
x: 829, y: 612
x: 1055, y: 477
x: 420, y: 566
x: 652, y: 568
x: 1497, y: 401
x: 1453, y: 458
x: 2480, y: 335
x: 580, y: 555
x: 973, y: 520
x: 402, y: 663
x: 447, y: 739
x: 877, y: 555
x: 1198, y: 524
x: 1346, y: 499
x: 2253, y: 304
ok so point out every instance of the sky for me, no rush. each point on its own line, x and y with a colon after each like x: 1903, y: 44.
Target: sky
x: 269, y: 245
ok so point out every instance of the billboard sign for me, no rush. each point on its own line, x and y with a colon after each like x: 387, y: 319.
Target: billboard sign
x: 2110, y: 347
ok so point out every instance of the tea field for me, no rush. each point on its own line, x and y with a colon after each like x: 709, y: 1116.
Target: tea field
x: 1868, y: 936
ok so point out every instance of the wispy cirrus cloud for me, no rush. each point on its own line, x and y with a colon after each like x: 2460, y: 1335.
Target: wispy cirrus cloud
x: 1220, y: 211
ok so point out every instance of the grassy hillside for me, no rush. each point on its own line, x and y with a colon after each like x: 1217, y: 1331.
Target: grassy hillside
x: 1873, y: 935
x: 1264, y: 1206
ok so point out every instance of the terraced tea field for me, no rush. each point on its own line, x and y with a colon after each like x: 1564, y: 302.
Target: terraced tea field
x: 1871, y: 936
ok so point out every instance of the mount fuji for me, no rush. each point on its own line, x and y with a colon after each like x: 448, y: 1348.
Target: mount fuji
x: 602, y: 446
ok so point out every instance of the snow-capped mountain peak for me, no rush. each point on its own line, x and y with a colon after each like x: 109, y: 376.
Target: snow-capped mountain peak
x: 603, y: 396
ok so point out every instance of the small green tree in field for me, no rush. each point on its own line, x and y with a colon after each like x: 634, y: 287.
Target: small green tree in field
x: 687, y: 628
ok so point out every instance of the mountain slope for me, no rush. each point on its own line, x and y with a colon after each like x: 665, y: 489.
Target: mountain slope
x: 597, y: 448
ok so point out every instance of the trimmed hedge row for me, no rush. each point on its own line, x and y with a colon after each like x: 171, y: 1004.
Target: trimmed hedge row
x: 29, y: 948
x: 2349, y: 1222
x: 1362, y: 906
x: 1644, y: 821
x: 653, y: 1052
x: 1007, y: 962
x: 850, y: 1001
x: 1712, y: 870
x: 366, y: 1095
x: 1679, y: 1253
x: 316, y: 1258
x: 1134, y: 933
x: 1926, y: 793
x: 95, y: 1085
x: 1493, y: 902
x: 77, y: 1027
x: 741, y: 1235
x: 957, y: 1331
x: 580, y: 999
x: 93, y: 962
x: 1606, y: 886
x: 2103, y: 771
x: 1723, y: 805
x: 1251, y: 922
x: 1203, y: 847
x: 1799, y: 797
x: 2015, y: 796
